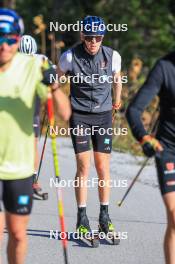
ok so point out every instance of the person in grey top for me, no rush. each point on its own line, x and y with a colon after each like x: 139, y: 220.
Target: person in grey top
x: 94, y: 70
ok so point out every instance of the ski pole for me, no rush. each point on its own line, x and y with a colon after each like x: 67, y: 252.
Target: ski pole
x: 42, y: 154
x: 142, y: 167
x: 133, y: 181
x: 57, y: 176
x: 43, y: 122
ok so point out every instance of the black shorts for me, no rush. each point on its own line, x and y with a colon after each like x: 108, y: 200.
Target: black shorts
x: 36, y: 119
x: 16, y: 195
x: 95, y: 127
x: 165, y: 163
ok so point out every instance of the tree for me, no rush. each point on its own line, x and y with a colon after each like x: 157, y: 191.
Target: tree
x: 150, y: 23
x: 8, y: 3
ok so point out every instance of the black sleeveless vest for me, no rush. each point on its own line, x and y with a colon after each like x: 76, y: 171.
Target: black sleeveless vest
x: 91, y: 94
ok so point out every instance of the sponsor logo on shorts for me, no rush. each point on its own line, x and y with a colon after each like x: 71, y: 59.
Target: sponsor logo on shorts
x: 82, y: 142
x: 23, y: 200
x: 22, y: 210
x: 107, y: 141
x: 108, y: 148
x: 170, y: 166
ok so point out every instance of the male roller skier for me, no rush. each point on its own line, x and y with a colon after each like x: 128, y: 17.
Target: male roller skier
x: 21, y: 78
x: 160, y: 82
x: 91, y: 103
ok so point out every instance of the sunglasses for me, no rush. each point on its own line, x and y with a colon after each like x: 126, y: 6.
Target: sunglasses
x: 90, y: 38
x: 10, y: 40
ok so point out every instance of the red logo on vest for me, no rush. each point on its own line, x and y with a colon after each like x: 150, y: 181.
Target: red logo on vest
x: 170, y: 166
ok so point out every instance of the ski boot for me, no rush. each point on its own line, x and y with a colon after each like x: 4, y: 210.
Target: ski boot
x: 37, y: 191
x: 84, y: 230
x: 106, y: 226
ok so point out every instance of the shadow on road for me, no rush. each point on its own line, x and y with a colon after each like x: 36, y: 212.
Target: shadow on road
x: 56, y: 235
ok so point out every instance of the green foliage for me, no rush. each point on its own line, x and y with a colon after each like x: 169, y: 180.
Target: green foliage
x: 150, y: 23
x: 150, y: 28
x: 150, y: 34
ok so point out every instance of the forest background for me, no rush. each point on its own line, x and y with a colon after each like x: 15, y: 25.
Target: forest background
x: 150, y: 35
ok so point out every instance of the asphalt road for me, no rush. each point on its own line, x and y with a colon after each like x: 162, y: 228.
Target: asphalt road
x: 140, y: 221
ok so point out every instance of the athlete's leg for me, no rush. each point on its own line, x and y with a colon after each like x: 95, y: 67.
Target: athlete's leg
x: 165, y: 163
x: 102, y: 145
x: 102, y: 161
x: 1, y: 219
x: 83, y: 165
x: 1, y: 231
x: 17, y: 198
x: 169, y: 242
x: 81, y: 144
x: 17, y: 243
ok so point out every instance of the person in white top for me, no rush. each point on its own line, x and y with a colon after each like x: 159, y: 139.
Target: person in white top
x: 97, y: 68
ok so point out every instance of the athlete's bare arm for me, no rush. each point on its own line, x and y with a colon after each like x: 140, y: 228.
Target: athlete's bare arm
x: 62, y: 102
x: 117, y: 88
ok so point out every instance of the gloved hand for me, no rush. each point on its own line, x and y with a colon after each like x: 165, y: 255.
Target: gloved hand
x: 49, y: 72
x: 150, y: 145
x: 115, y: 108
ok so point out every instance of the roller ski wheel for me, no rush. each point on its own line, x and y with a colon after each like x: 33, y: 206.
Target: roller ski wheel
x: 84, y: 231
x: 116, y: 240
x: 38, y: 194
x: 111, y: 236
x: 106, y: 227
x: 95, y: 242
x: 89, y: 236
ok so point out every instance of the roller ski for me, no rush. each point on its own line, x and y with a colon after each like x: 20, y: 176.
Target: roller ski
x: 107, y: 228
x: 37, y: 192
x: 84, y: 231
